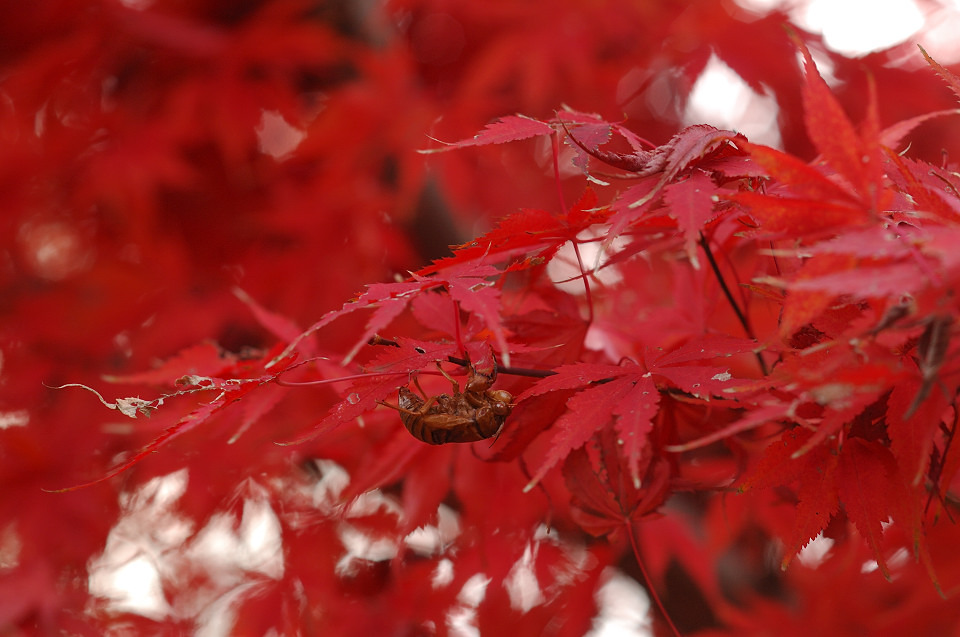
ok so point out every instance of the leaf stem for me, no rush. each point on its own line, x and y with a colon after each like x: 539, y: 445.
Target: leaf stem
x: 556, y: 169
x: 327, y: 381
x: 513, y: 371
x: 586, y: 282
x: 936, y: 474
x: 741, y: 317
x: 646, y: 576
x: 456, y: 326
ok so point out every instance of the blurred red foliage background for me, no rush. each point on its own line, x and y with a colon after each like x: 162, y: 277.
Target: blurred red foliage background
x: 158, y: 156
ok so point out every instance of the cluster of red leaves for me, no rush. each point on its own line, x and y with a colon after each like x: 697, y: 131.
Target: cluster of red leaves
x: 740, y: 349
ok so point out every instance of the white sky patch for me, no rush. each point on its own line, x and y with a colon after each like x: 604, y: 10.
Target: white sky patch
x: 722, y: 99
x: 443, y: 574
x: 474, y: 590
x: 254, y: 546
x: 896, y: 561
x: 371, y: 502
x: 10, y: 547
x: 276, y: 136
x: 16, y: 418
x: 333, y: 480
x: 565, y: 272
x: 858, y: 27
x: 127, y: 573
x: 624, y: 608
x: 850, y: 27
x: 815, y: 552
x: 522, y: 585
x: 134, y: 587
x: 760, y: 7
x: 939, y: 38
x: 431, y: 539
x: 361, y: 546
x: 219, y: 617
x: 153, y: 547
x: 462, y: 620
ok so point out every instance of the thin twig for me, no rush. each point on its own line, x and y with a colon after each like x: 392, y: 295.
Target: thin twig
x: 741, y: 316
x: 586, y: 282
x: 631, y: 531
x: 513, y: 371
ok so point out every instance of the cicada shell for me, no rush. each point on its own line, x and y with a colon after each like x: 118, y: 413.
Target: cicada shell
x: 475, y: 414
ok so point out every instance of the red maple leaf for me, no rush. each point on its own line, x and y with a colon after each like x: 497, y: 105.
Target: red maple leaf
x: 814, y: 474
x: 857, y: 158
x: 276, y: 141
x: 691, y: 202
x: 250, y: 376
x: 627, y: 395
x: 945, y: 74
x: 605, y: 499
x: 509, y: 128
x: 202, y: 360
x: 866, y: 481
x: 384, y: 374
x: 468, y: 284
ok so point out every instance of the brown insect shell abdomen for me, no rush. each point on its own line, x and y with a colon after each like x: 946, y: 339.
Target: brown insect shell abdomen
x: 422, y: 425
x: 411, y: 402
